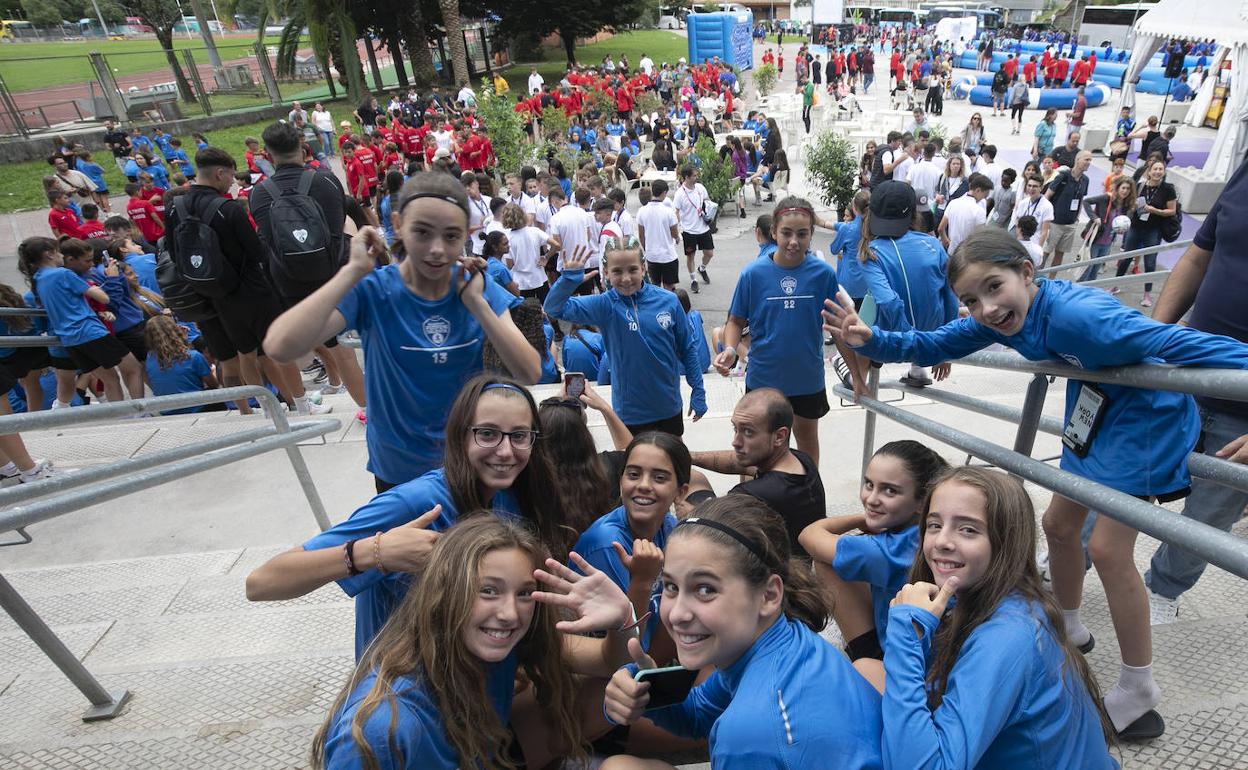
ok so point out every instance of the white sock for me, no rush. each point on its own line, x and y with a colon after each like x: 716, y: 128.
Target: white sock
x: 9, y: 468
x: 1076, y: 631
x: 301, y: 403
x: 59, y: 404
x: 1135, y: 693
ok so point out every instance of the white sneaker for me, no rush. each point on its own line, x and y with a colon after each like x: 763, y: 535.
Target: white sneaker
x: 1161, y: 610
x: 306, y: 407
x: 333, y: 390
x: 41, y: 470
x: 1147, y: 300
x: 1042, y: 564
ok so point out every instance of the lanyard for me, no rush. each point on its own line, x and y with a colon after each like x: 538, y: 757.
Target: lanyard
x: 1031, y: 212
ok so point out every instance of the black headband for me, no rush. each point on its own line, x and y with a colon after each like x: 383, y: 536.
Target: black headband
x: 747, y: 543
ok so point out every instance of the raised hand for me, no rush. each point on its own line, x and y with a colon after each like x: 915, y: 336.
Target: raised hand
x: 625, y: 699
x: 842, y: 321
x: 645, y: 562
x: 927, y: 596
x: 406, y: 548
x: 466, y: 283
x: 368, y: 247
x: 597, y: 602
x: 577, y: 259
x: 593, y: 400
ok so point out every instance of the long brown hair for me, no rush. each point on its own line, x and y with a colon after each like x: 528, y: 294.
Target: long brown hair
x: 10, y: 298
x: 536, y: 488
x: 1011, y: 523
x: 166, y: 340
x: 423, y: 640
x: 584, y: 484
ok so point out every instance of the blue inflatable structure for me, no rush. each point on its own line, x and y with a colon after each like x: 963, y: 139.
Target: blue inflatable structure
x: 977, y: 89
x: 1152, y: 80
x: 726, y: 35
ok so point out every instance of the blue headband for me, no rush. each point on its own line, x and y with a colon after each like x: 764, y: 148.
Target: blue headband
x: 504, y: 386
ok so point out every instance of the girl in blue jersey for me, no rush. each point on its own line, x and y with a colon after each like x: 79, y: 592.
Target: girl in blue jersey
x: 993, y: 682
x: 435, y: 691
x: 173, y: 366
x: 422, y: 323
x: 1135, y: 441
x: 777, y: 298
x: 863, y: 574
x: 904, y: 271
x: 697, y: 329
x: 781, y: 696
x: 493, y: 461
x: 627, y: 543
x: 648, y: 339
x: 585, y: 352
x: 495, y: 248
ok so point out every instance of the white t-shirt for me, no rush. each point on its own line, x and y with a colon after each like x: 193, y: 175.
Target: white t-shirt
x: 573, y: 226
x: 657, y: 218
x: 466, y: 96
x: 443, y: 138
x: 536, y: 81
x: 901, y: 171
x: 626, y: 222
x: 1035, y: 252
x: 1041, y: 209
x: 526, y: 247
x: 479, y: 216
x: 963, y: 215
x: 992, y: 171
x: 322, y: 120
x: 604, y: 232
x: 526, y: 204
x: 689, y: 208
x: 923, y: 177
x: 646, y: 64
x: 541, y: 211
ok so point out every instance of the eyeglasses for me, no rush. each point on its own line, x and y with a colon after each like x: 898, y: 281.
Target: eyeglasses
x: 488, y: 438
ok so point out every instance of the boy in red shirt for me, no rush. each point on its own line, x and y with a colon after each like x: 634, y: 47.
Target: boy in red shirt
x: 91, y: 226
x: 144, y: 215
x: 345, y: 136
x: 1029, y: 72
x: 1063, y: 66
x: 370, y: 156
x: 148, y: 191
x: 393, y: 160
x: 61, y: 218
x: 357, y: 175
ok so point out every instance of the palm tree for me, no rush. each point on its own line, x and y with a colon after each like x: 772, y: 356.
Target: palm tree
x: 455, y: 39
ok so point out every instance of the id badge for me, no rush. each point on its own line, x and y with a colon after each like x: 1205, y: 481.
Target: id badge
x: 1085, y: 418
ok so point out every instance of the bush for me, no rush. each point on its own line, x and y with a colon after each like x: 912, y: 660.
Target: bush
x: 714, y: 172
x: 555, y: 124
x: 832, y: 169
x: 647, y: 103
x: 505, y: 125
x: 765, y: 79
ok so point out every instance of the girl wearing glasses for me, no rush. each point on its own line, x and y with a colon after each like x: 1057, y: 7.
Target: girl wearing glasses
x: 493, y: 462
x: 422, y: 323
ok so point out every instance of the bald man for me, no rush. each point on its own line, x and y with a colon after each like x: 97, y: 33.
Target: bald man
x: 786, y: 479
x: 1066, y: 193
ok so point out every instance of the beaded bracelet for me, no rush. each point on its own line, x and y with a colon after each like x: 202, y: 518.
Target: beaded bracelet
x: 377, y: 554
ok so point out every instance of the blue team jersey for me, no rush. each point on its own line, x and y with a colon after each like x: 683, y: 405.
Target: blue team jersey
x: 376, y: 594
x: 907, y: 280
x: 141, y: 142
x: 498, y: 272
x: 881, y: 560
x: 162, y: 141
x: 421, y: 352
x: 699, y: 340
x: 848, y: 268
x: 782, y: 308
x: 419, y: 733
x: 1011, y: 700
x: 94, y: 172
x: 184, y: 162
x: 550, y: 370
x: 160, y: 177
x: 1145, y: 436
x: 39, y: 325
x: 648, y: 342
x: 185, y: 376
x: 69, y: 317
x: 791, y: 701
x: 583, y: 352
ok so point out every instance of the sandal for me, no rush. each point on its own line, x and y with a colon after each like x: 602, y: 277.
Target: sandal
x: 1146, y: 728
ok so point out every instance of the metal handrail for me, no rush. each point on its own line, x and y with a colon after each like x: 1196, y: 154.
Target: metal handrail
x: 20, y: 311
x: 109, y: 483
x: 31, y: 341
x: 1115, y: 257
x: 1215, y: 546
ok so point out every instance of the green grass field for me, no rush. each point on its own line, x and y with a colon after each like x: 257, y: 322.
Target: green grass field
x: 32, y: 66
x: 661, y: 45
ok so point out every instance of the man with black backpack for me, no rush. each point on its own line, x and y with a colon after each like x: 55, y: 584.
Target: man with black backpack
x: 217, y: 252
x: 886, y: 159
x: 299, y: 215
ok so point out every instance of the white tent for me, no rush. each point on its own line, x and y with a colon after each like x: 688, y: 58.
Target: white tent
x: 1225, y: 21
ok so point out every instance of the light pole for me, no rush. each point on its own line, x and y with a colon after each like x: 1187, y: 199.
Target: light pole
x: 100, y: 16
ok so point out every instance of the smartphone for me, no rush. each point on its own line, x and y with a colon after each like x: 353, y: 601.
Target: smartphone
x: 668, y: 686
x: 574, y: 384
x: 867, y: 312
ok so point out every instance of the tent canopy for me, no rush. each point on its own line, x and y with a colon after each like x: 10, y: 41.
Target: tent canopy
x: 1225, y: 21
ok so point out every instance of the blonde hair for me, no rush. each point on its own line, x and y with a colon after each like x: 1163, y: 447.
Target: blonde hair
x: 166, y: 340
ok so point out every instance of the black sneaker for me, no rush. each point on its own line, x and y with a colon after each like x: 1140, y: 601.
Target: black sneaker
x: 313, y: 367
x: 693, y: 286
x: 706, y: 279
x: 842, y: 370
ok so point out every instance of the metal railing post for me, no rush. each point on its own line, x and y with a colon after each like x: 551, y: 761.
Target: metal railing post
x: 277, y: 411
x: 15, y: 114
x: 266, y: 74
x: 1033, y: 408
x: 868, y: 437
x: 104, y: 705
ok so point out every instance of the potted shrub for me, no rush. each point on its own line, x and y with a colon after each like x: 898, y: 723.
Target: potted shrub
x: 832, y: 170
x: 714, y: 173
x: 765, y: 79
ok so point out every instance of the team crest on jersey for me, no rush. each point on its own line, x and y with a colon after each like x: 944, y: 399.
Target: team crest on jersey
x: 1072, y: 360
x: 664, y: 319
x: 788, y: 284
x: 437, y: 329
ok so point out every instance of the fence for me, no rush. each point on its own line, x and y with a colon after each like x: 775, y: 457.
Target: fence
x: 103, y: 484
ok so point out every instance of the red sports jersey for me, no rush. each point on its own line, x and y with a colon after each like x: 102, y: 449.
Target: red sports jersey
x: 155, y: 192
x: 65, y: 222
x: 144, y: 216
x: 357, y: 178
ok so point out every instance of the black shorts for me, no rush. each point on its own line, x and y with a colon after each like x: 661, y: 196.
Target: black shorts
x: 246, y: 319
x: 664, y: 273
x: 811, y: 406
x: 540, y: 292
x: 20, y: 363
x: 216, y: 340
x: 102, y: 353
x: 135, y: 340
x: 704, y: 241
x: 63, y: 364
x: 674, y: 425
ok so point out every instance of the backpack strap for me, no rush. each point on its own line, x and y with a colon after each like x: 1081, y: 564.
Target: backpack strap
x: 305, y: 181
x: 213, y: 207
x: 269, y: 186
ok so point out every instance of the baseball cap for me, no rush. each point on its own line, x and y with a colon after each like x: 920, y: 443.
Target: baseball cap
x: 892, y: 209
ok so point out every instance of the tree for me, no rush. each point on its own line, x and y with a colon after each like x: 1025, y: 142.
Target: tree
x: 572, y: 19
x: 161, y: 15
x: 455, y: 39
x: 44, y: 13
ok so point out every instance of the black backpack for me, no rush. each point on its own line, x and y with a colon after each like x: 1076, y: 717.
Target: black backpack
x: 301, y: 257
x: 1172, y: 227
x: 196, y: 250
x: 1000, y: 81
x: 185, y: 303
x: 877, y: 167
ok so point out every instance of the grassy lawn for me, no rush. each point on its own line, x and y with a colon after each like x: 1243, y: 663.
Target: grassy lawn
x: 31, y: 66
x: 661, y: 45
x: 20, y: 181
